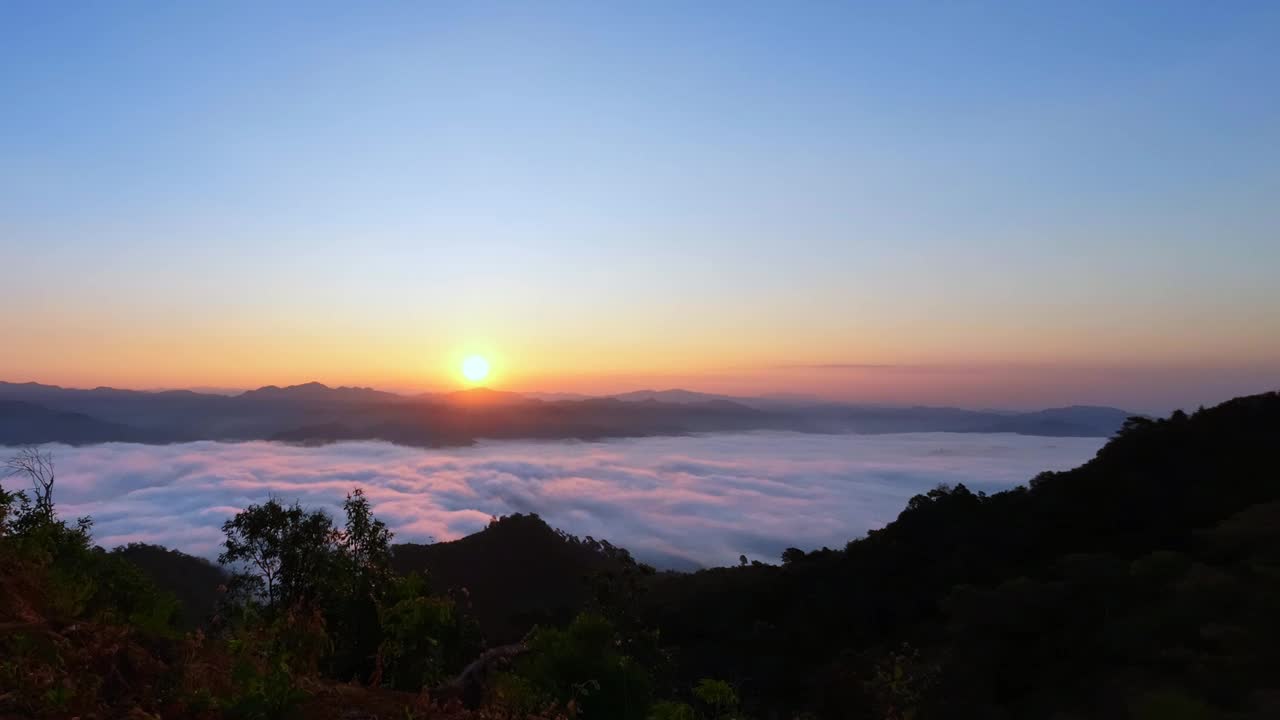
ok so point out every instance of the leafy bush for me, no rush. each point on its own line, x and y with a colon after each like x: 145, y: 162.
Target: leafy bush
x: 268, y: 661
x: 717, y: 696
x: 426, y: 638
x: 578, y: 667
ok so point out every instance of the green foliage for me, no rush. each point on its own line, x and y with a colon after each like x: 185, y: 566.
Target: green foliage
x: 579, y: 666
x: 717, y: 696
x: 71, y: 615
x: 379, y: 628
x: 285, y: 554
x: 268, y: 657
x: 425, y: 638
x: 716, y: 700
x: 365, y: 547
x: 10, y: 502
x: 900, y: 683
x: 83, y: 582
x: 311, y: 600
x: 263, y: 691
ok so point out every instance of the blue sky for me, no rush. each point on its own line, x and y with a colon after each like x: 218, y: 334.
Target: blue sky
x: 198, y: 193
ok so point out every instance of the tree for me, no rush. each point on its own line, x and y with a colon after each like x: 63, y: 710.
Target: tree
x: 284, y: 552
x: 792, y: 555
x: 359, y: 590
x: 366, y: 546
x: 37, y: 467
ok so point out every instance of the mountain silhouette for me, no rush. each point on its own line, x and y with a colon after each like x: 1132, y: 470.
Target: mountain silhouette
x: 315, y: 413
x: 24, y: 423
x: 517, y: 572
x: 674, y: 395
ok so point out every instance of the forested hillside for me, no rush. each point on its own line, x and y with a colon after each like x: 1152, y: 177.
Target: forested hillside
x: 1143, y: 584
x: 1143, y: 581
x: 518, y: 572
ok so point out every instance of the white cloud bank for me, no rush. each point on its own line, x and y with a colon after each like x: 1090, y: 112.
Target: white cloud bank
x: 674, y: 501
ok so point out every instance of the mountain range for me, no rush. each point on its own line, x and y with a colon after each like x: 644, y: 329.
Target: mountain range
x: 314, y: 413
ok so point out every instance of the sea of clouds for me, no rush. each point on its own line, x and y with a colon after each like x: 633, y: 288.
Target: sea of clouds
x: 675, y: 501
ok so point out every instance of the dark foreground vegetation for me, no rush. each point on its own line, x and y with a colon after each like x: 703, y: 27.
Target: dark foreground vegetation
x: 1144, y: 584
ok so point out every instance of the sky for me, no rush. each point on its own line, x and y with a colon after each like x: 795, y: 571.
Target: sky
x: 678, y: 502
x: 988, y: 204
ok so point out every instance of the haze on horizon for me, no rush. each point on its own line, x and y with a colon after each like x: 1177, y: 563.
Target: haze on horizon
x: 1043, y: 206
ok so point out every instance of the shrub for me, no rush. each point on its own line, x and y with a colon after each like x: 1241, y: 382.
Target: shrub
x: 581, y: 667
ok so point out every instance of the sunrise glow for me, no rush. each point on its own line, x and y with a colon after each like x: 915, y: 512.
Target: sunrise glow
x: 601, y: 204
x: 475, y: 368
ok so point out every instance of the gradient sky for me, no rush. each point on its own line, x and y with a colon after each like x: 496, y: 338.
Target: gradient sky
x: 1002, y: 204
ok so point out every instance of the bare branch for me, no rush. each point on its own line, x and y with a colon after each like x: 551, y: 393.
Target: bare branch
x: 37, y: 467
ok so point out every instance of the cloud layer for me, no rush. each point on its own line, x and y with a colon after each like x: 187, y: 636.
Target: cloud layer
x: 677, y: 502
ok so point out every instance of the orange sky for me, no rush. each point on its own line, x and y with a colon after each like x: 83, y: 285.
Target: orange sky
x: 853, y: 202
x: 937, y: 367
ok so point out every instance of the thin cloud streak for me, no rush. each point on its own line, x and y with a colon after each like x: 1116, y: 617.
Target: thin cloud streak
x: 677, y: 502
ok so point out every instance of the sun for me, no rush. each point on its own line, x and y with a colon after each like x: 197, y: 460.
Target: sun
x: 475, y: 368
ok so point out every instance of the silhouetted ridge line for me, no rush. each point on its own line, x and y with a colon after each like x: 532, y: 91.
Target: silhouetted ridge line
x: 518, y: 571
x: 314, y: 413
x: 1073, y: 594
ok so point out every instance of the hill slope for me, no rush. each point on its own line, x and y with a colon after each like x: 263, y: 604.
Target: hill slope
x: 1095, y: 590
x: 193, y: 581
x: 25, y: 423
x: 517, y: 572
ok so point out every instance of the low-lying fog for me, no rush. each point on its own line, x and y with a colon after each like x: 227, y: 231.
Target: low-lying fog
x: 677, y: 502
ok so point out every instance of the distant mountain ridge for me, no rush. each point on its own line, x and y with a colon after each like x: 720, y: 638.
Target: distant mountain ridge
x: 320, y: 391
x: 674, y: 395
x: 23, y: 423
x: 314, y: 413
